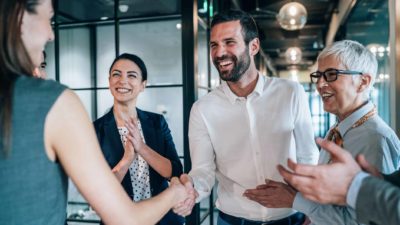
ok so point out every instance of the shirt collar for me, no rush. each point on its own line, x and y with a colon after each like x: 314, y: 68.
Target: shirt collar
x: 232, y: 97
x: 348, y: 122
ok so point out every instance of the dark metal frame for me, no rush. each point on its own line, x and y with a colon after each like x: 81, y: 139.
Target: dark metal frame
x: 93, y: 69
x: 56, y: 42
x: 211, y: 206
x: 189, y: 72
x: 116, y: 26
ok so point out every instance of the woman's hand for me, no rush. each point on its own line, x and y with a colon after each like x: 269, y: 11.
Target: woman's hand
x: 134, y: 136
x: 156, y: 161
x: 129, y: 152
x: 185, y: 208
x: 123, y: 165
x: 180, y: 192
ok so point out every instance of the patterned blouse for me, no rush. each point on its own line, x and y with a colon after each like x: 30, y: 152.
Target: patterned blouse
x: 138, y: 170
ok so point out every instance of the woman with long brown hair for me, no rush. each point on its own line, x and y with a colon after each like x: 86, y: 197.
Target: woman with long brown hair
x: 46, y: 135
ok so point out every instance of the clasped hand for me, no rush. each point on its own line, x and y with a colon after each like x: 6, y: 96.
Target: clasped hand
x: 186, y: 194
x: 134, y: 136
x: 184, y: 207
x: 272, y: 194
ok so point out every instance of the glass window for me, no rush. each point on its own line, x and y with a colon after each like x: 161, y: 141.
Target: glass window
x: 105, y: 53
x: 86, y: 98
x: 215, y: 81
x: 201, y: 92
x: 321, y: 120
x: 75, y: 68
x: 50, y: 60
x: 168, y: 102
x: 159, y: 45
x: 203, y: 57
x: 369, y: 24
x: 104, y: 102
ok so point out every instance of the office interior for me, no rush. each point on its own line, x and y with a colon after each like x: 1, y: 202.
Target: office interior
x: 172, y: 38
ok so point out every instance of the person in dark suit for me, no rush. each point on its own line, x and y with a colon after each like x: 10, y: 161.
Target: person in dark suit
x: 146, y: 159
x: 374, y: 196
x: 378, y: 200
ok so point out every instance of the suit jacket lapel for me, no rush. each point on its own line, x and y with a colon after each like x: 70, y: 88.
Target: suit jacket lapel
x: 114, y: 145
x: 113, y: 149
x: 150, y: 136
x: 148, y: 128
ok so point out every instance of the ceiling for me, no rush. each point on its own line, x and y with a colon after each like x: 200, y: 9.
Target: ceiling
x: 369, y: 22
x: 366, y: 21
x: 92, y: 10
x: 310, y: 39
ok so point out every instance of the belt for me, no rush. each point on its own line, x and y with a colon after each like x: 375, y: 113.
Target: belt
x: 294, y: 219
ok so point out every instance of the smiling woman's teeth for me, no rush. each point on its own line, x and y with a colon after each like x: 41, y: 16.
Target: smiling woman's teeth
x: 122, y: 90
x: 326, y: 95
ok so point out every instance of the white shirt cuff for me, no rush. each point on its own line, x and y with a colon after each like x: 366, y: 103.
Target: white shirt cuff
x: 199, y: 188
x: 355, y: 186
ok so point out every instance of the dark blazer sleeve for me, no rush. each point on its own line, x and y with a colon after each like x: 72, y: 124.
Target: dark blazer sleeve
x: 158, y: 137
x: 378, y: 201
x: 393, y: 178
x: 111, y: 145
x: 170, y: 150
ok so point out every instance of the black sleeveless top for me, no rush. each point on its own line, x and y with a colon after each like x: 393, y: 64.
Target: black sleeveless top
x: 33, y: 189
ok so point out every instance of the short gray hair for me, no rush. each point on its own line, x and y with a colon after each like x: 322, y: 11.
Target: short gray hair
x: 353, y: 56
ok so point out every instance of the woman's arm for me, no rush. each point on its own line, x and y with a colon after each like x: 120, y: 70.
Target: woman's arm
x: 159, y: 163
x: 70, y: 138
x: 122, y: 167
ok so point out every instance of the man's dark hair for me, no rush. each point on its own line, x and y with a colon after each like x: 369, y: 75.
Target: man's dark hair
x: 249, y: 27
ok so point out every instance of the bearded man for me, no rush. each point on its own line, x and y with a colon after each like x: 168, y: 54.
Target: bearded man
x: 240, y: 131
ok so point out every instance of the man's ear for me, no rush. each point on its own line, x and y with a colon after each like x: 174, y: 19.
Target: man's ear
x: 254, y: 46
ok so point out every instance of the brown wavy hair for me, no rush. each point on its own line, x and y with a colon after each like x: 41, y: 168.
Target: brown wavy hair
x: 14, y: 61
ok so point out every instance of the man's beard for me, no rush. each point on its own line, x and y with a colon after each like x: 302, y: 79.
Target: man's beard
x: 240, y: 66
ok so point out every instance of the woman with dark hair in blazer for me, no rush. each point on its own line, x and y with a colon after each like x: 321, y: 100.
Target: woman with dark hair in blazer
x: 46, y: 136
x: 144, y: 163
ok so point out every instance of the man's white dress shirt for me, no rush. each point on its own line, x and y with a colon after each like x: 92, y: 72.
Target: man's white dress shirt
x: 240, y: 141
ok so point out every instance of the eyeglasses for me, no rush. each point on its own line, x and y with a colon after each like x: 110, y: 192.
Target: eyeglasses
x: 331, y: 74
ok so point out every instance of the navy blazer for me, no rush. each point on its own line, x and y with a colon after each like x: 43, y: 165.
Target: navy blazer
x: 157, y: 136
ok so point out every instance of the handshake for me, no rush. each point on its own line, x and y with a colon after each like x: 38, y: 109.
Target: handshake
x: 185, y: 194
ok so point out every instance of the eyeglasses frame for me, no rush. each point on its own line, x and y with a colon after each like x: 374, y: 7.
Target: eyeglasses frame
x: 318, y: 74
